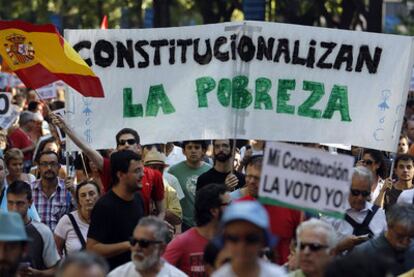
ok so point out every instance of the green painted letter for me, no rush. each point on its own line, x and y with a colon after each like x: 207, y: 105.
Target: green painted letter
x: 131, y: 110
x: 263, y: 86
x: 204, y: 85
x: 317, y: 91
x: 224, y: 92
x: 156, y: 99
x: 241, y: 97
x: 283, y: 97
x: 338, y: 101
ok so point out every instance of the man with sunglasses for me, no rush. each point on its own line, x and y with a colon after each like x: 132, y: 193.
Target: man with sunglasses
x: 186, y: 250
x: 148, y: 243
x: 126, y: 139
x: 363, y: 220
x: 316, y: 240
x: 245, y: 233
x: 396, y: 243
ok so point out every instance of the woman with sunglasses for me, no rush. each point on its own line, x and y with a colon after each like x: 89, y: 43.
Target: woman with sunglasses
x: 72, y: 229
x: 374, y: 160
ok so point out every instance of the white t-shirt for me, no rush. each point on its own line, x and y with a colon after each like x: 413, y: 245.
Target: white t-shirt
x: 65, y: 231
x: 128, y: 270
x: 406, y: 196
x: 266, y: 269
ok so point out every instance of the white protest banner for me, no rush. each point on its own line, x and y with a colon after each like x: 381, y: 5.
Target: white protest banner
x: 47, y: 92
x: 305, y: 178
x: 245, y: 80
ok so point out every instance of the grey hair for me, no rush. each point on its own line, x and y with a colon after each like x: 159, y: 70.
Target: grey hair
x: 365, y: 173
x: 82, y: 259
x: 402, y: 214
x: 314, y: 224
x: 161, y: 230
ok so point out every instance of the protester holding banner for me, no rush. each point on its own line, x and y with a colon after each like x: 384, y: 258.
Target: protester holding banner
x: 404, y: 171
x: 126, y: 139
x: 222, y: 172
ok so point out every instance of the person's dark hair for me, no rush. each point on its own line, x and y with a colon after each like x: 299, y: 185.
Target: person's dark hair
x: 203, y: 143
x: 211, y: 252
x: 207, y: 198
x: 403, y: 157
x: 49, y: 152
x: 43, y: 144
x: 20, y: 187
x: 379, y: 158
x: 127, y: 131
x: 357, y: 265
x: 32, y: 106
x: 84, y: 183
x: 82, y: 259
x: 120, y: 161
x: 230, y: 140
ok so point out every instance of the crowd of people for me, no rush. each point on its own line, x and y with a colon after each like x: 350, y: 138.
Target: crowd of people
x: 187, y: 208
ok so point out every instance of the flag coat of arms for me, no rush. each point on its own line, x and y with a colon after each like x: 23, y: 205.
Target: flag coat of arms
x: 39, y: 55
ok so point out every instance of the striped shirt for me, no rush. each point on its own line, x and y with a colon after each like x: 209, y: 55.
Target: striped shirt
x: 53, y: 208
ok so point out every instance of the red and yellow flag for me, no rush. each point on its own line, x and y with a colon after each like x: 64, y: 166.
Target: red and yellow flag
x: 39, y: 55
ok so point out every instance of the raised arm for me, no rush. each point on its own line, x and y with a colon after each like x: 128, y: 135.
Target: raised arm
x: 92, y: 154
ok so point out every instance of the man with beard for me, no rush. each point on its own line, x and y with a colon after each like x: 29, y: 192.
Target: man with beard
x: 13, y: 242
x: 147, y: 245
x: 402, y: 187
x: 50, y: 196
x: 221, y: 173
x: 186, y: 250
x: 116, y: 214
x: 396, y: 244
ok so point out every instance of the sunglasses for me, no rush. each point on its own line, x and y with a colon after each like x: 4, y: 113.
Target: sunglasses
x: 143, y: 243
x: 129, y: 141
x: 248, y: 239
x: 313, y: 247
x: 356, y: 192
x: 367, y: 162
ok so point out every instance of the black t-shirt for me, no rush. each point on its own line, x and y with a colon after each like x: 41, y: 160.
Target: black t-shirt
x: 213, y: 176
x: 113, y: 220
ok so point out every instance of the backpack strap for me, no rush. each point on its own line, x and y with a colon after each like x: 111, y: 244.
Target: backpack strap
x: 370, y: 215
x: 362, y: 227
x: 77, y: 231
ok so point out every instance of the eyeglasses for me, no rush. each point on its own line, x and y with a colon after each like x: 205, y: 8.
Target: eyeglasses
x: 313, y: 247
x: 367, y: 162
x: 51, y: 164
x: 143, y: 243
x: 129, y: 141
x: 356, y: 192
x: 248, y: 239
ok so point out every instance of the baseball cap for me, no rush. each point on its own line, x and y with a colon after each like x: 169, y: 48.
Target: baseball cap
x: 12, y: 227
x: 252, y: 212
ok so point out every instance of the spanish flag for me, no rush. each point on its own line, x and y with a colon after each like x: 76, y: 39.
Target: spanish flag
x: 39, y: 55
